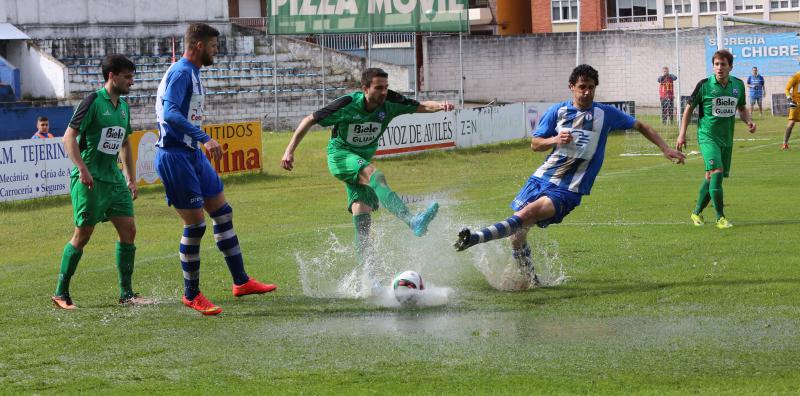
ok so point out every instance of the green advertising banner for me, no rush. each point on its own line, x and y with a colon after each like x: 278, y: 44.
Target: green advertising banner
x: 364, y: 16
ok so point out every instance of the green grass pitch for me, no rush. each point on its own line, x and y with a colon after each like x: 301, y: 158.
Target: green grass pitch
x: 652, y: 305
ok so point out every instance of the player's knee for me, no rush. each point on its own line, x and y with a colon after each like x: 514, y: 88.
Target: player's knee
x: 128, y: 234
x: 81, y: 238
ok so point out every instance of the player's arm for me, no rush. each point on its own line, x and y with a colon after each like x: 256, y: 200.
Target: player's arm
x: 790, y: 89
x: 73, y: 150
x: 178, y: 86
x: 648, y: 132
x: 79, y: 122
x: 128, y: 167
x: 287, y: 162
x: 325, y: 116
x: 744, y: 114
x: 545, y: 137
x: 687, y: 117
x: 697, y: 96
x: 432, y: 106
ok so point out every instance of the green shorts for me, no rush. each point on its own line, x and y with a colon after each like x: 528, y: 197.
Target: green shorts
x: 345, y: 166
x: 105, y: 200
x: 716, y: 157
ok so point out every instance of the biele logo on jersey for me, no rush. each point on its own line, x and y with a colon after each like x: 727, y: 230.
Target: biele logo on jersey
x: 723, y: 106
x: 111, y: 140
x: 363, y: 134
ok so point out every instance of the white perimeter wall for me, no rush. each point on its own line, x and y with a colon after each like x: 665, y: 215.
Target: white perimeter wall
x: 537, y: 67
x: 41, y: 75
x: 110, y: 18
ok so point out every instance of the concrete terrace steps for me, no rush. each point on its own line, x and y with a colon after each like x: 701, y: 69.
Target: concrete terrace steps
x: 166, y: 60
x: 263, y: 93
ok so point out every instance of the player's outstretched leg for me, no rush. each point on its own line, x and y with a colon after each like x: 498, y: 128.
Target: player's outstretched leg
x: 228, y: 244
x: 419, y: 223
x: 467, y: 238
x: 392, y: 202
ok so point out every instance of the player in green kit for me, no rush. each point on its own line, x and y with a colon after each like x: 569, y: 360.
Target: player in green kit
x: 719, y: 96
x: 359, y: 119
x: 97, y: 133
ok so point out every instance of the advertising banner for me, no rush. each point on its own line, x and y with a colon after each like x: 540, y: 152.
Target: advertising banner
x: 774, y: 54
x: 241, y: 150
x: 491, y: 124
x: 33, y: 168
x: 414, y: 133
x: 363, y: 16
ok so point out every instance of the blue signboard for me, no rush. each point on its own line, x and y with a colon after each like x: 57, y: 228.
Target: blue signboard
x: 773, y: 54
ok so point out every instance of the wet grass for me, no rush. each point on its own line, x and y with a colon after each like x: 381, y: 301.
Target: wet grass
x: 653, y: 305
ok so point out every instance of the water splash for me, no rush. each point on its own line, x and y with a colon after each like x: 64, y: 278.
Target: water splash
x: 336, y: 273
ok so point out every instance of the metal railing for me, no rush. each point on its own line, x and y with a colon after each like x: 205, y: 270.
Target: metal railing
x: 632, y: 19
x: 253, y: 23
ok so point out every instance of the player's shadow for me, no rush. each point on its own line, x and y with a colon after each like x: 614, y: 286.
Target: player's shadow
x: 596, y: 288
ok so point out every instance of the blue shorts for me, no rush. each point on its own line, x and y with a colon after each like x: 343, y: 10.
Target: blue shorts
x: 188, y: 177
x: 563, y: 200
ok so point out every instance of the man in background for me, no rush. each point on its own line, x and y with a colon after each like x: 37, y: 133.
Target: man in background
x: 42, y: 128
x: 756, y: 84
x: 666, y: 92
x: 793, y: 97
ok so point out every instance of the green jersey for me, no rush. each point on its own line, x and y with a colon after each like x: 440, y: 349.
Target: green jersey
x: 103, y: 128
x: 718, y: 107
x: 355, y: 129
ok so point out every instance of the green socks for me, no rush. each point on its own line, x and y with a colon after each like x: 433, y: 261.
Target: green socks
x: 69, y: 262
x: 702, y: 198
x: 388, y: 198
x: 125, y: 257
x: 362, y: 222
x: 715, y: 190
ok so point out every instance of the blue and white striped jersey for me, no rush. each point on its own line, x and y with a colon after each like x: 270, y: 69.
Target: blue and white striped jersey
x: 180, y: 106
x: 575, y: 165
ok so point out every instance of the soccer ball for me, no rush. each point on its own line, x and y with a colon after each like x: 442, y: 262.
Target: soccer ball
x: 407, y: 287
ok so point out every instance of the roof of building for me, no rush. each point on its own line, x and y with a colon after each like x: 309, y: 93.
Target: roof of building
x: 10, y: 32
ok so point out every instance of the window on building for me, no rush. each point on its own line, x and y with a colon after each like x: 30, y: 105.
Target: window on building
x: 712, y: 6
x: 748, y: 5
x: 622, y: 11
x: 565, y: 10
x: 784, y: 4
x: 478, y: 3
x: 681, y: 6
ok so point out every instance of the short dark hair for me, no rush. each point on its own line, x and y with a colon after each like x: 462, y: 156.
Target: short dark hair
x: 723, y: 54
x: 584, y: 71
x: 41, y: 118
x: 116, y: 63
x: 369, y: 74
x: 198, y: 32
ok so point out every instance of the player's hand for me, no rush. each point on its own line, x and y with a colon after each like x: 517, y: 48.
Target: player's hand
x: 447, y: 106
x: 675, y: 156
x: 287, y: 162
x: 751, y: 127
x: 564, y: 137
x: 213, y: 148
x: 792, y: 104
x: 86, y: 178
x: 134, y: 189
x: 681, y: 143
